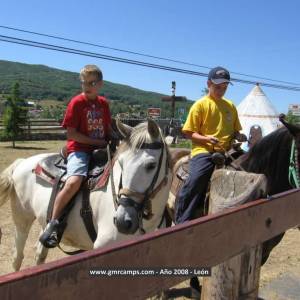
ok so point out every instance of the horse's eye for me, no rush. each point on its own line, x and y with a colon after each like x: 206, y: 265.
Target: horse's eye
x: 150, y: 166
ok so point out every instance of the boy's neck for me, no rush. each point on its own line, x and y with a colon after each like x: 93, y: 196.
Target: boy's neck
x: 89, y: 98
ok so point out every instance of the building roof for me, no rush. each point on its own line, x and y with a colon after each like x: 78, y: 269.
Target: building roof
x: 257, y: 109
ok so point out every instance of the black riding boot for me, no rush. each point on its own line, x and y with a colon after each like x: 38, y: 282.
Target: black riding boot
x: 49, y: 236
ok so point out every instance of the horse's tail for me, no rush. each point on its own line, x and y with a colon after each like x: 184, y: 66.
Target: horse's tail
x: 6, y: 182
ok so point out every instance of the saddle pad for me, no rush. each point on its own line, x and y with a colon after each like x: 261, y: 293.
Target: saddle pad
x: 50, y: 167
x: 180, y: 175
x: 103, y: 179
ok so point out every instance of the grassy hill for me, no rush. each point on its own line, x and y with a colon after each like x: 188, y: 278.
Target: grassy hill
x: 39, y: 82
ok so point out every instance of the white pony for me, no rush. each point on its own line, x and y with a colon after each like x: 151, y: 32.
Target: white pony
x: 141, y: 175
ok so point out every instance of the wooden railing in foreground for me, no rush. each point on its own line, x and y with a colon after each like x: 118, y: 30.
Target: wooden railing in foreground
x: 203, y: 242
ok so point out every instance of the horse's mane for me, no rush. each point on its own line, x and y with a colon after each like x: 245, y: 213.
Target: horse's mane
x: 270, y: 156
x: 139, y: 136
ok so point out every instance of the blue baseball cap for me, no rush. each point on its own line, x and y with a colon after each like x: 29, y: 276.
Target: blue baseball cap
x: 219, y: 75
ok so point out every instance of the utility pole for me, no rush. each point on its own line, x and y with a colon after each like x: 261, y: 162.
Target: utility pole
x: 173, y: 98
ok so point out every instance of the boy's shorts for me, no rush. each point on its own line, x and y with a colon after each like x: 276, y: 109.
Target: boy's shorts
x: 78, y: 164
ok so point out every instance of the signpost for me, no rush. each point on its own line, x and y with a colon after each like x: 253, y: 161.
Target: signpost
x: 154, y: 112
x: 173, y: 98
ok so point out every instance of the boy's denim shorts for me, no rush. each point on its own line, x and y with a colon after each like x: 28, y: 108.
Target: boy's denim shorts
x: 78, y: 164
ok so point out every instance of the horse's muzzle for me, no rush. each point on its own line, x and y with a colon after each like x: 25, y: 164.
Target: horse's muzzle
x: 126, y: 219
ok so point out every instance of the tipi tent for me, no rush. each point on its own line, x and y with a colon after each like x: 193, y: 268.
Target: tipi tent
x: 257, y: 114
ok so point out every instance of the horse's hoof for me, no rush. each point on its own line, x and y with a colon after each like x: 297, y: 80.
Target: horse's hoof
x: 195, y: 288
x: 16, y: 265
x: 195, y: 293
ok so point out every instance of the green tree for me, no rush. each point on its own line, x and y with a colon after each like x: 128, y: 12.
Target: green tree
x: 15, y: 115
x: 292, y: 118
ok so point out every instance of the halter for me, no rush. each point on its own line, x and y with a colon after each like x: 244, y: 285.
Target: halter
x: 294, y: 167
x: 144, y: 204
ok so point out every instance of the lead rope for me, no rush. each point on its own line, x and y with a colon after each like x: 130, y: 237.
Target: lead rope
x: 294, y: 167
x: 111, y: 175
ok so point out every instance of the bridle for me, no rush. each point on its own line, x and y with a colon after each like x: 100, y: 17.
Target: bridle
x: 143, y: 205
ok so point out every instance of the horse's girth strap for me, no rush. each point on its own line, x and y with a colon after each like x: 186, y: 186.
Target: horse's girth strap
x: 55, y: 189
x: 87, y: 214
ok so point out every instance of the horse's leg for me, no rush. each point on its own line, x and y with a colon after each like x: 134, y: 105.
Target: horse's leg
x: 21, y: 234
x: 23, y: 221
x: 41, y: 253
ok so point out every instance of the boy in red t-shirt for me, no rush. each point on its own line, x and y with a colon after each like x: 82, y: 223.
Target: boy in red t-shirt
x: 88, y: 123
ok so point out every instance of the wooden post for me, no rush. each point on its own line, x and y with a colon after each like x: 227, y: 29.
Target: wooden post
x: 237, y: 278
x: 173, y: 99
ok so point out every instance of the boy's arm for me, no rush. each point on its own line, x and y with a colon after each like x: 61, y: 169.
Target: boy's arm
x: 199, y: 138
x: 73, y: 134
x: 109, y: 132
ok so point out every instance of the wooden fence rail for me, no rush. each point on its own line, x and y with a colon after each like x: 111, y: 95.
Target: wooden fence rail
x: 40, y: 129
x: 204, y: 242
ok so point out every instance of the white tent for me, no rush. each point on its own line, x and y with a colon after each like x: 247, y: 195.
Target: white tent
x: 256, y: 110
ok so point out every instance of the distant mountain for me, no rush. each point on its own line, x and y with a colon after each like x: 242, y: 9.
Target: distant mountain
x: 40, y: 82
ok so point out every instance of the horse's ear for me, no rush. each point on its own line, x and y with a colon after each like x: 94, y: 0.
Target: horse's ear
x: 124, y: 129
x: 153, y: 129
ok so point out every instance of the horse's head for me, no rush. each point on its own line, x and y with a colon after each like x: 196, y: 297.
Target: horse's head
x: 293, y: 129
x: 143, y: 159
x: 277, y: 156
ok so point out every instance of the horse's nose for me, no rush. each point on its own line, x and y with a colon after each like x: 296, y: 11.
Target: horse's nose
x: 126, y: 219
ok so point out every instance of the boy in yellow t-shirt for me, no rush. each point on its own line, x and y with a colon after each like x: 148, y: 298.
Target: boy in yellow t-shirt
x: 212, y: 123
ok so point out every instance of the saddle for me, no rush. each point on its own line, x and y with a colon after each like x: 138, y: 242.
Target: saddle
x: 52, y: 169
x: 55, y: 165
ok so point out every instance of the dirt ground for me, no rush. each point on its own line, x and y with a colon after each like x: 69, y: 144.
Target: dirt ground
x: 7, y: 156
x: 284, y: 260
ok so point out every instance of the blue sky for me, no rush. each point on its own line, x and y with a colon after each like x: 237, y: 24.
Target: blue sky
x: 253, y: 37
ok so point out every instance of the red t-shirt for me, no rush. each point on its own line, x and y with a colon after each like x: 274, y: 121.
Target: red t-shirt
x: 91, y: 118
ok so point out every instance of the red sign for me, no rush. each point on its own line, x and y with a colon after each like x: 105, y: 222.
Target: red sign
x: 154, y: 112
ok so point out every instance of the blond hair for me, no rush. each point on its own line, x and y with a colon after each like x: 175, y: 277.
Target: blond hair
x: 91, y: 70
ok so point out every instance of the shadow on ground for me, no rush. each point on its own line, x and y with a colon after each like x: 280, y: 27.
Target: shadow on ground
x: 187, y: 293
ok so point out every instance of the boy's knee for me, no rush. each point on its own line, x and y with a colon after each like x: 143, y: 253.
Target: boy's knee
x: 73, y: 183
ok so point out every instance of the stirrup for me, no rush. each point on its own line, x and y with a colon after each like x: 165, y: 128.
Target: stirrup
x: 49, y: 236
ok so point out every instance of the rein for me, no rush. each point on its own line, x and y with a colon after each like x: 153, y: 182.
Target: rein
x: 294, y: 167
x: 111, y: 174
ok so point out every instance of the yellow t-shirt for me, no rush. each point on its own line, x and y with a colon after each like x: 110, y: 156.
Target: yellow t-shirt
x: 216, y: 118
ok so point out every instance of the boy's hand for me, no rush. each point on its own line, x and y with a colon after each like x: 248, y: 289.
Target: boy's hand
x: 101, y: 143
x: 240, y: 137
x: 213, y: 140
